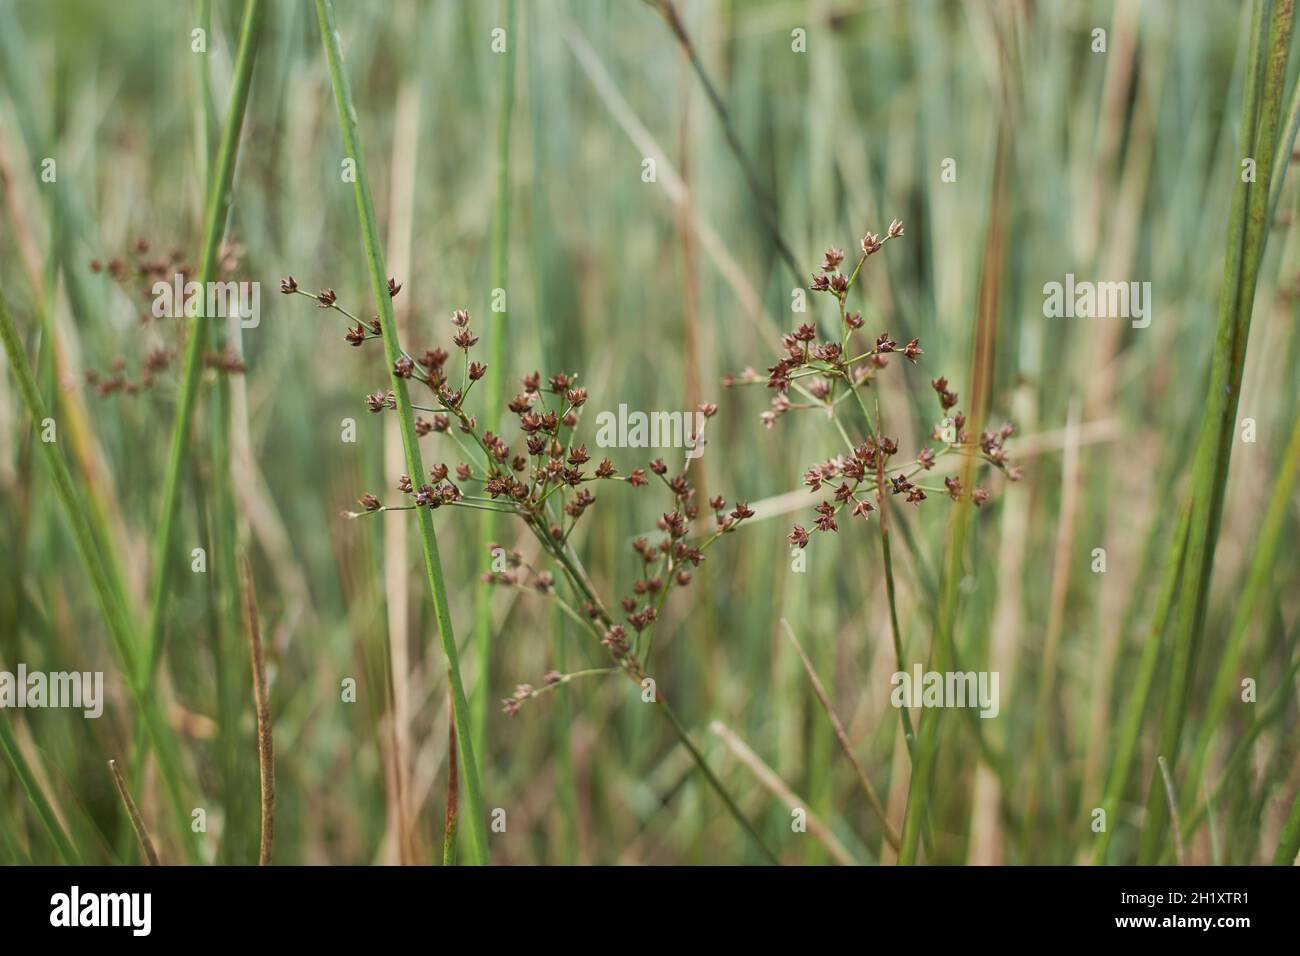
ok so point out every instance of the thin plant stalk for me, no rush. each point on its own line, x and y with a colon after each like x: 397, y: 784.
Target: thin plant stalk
x: 453, y: 792
x: 49, y: 819
x: 218, y: 205
x: 943, y: 646
x: 497, y: 362
x: 133, y: 814
x: 1267, y: 543
x: 262, y: 700
x: 1170, y: 794
x: 766, y: 206
x: 1289, y: 845
x: 410, y: 441
x: 1247, y: 233
x: 891, y: 834
x: 781, y: 790
x: 1131, y: 722
x: 111, y: 602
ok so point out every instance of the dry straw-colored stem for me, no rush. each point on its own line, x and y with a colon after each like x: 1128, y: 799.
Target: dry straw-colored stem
x: 133, y: 812
x: 891, y: 834
x: 262, y: 701
x: 781, y: 790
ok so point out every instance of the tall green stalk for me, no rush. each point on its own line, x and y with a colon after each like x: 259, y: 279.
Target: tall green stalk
x: 112, y: 603
x: 415, y: 467
x: 487, y: 529
x: 1257, y: 580
x: 1289, y: 845
x: 1135, y: 709
x: 1247, y: 233
x: 34, y: 793
x: 219, y: 198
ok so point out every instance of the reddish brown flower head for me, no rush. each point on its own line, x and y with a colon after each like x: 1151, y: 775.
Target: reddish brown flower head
x: 637, y: 478
x: 825, y: 520
x: 433, y: 358
x: 832, y: 260
x: 394, y: 287
x: 356, y: 335
x: 326, y: 298
x: 381, y: 400
x: 476, y: 371
x: 404, y: 367
x: 799, y: 537
x: 288, y: 285
x: 370, y: 502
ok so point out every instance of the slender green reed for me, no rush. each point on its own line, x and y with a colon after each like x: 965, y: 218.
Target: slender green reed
x: 219, y: 199
x: 497, y: 333
x: 1247, y: 231
x: 49, y: 820
x: 111, y: 602
x: 410, y: 442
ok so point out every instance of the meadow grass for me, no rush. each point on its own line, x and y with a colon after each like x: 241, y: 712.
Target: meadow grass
x: 1161, y: 691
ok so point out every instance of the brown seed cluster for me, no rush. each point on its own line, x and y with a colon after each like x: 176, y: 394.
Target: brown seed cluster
x: 544, y: 477
x: 135, y: 272
x: 817, y: 372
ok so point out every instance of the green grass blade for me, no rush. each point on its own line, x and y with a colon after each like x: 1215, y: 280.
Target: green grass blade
x: 497, y: 333
x: 219, y: 198
x: 1247, y: 233
x: 34, y: 793
x: 410, y: 442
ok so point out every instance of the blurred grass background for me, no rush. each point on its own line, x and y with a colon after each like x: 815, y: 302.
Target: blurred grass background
x: 1119, y: 166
